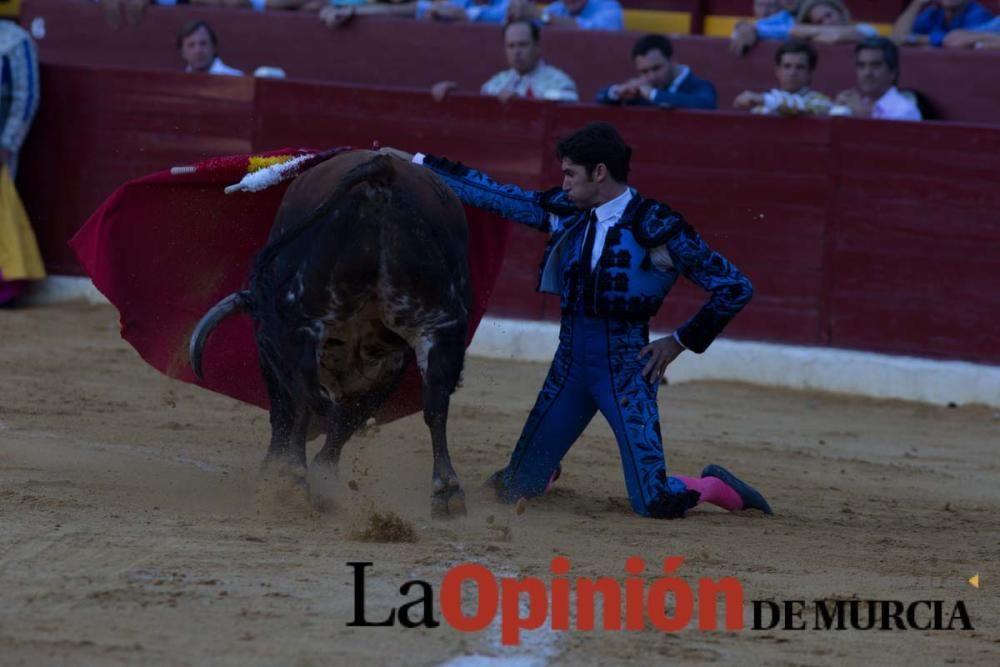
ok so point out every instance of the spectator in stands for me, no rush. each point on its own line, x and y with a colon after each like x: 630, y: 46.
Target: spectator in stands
x: 199, y: 49
x: 928, y: 21
x: 582, y: 14
x: 661, y: 81
x: 770, y: 17
x: 822, y: 21
x: 986, y: 36
x: 528, y: 77
x: 795, y: 62
x: 828, y: 22
x: 134, y: 10
x: 475, y: 11
x: 876, y: 61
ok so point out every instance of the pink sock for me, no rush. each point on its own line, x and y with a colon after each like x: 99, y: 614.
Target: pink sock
x: 715, y: 491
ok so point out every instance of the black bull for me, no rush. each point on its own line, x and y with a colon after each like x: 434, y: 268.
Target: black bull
x: 367, y: 260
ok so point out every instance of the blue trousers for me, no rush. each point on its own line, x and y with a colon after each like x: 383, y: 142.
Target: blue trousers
x: 597, y: 367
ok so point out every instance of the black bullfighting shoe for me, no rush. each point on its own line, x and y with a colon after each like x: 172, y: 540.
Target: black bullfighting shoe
x: 750, y: 496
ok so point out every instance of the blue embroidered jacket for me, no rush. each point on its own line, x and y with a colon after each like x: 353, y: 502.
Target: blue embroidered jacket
x: 625, y: 284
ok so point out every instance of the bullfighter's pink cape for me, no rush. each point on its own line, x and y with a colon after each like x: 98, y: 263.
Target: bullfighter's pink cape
x: 166, y: 247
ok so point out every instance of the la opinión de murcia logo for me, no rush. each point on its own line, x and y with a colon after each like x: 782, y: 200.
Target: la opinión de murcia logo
x: 640, y: 605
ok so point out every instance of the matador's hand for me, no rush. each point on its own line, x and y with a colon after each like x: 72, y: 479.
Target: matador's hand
x: 661, y: 353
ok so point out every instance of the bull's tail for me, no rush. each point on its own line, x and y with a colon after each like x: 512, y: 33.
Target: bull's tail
x: 237, y: 302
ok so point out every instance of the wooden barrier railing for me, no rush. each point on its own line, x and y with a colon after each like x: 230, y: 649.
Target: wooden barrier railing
x: 853, y: 232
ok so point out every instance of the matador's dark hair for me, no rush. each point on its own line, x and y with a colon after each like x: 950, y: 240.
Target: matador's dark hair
x: 594, y: 144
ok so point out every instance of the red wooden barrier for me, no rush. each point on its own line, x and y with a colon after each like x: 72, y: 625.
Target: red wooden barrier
x: 857, y: 234
x: 96, y: 129
x: 964, y: 86
x: 912, y: 265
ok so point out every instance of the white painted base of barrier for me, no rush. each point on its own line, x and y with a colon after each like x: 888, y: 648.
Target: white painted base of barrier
x: 795, y: 367
x: 817, y: 368
x: 60, y: 289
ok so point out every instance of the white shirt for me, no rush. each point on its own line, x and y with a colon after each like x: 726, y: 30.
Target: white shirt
x: 675, y: 84
x: 545, y: 82
x: 894, y: 105
x: 608, y: 215
x: 219, y: 67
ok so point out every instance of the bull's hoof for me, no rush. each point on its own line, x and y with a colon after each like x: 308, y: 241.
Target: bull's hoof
x: 448, y: 503
x: 277, y: 470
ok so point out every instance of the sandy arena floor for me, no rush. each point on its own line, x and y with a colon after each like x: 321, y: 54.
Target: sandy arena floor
x: 130, y: 531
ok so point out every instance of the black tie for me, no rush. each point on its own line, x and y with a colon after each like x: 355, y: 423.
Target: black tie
x: 586, y: 276
x: 588, y: 242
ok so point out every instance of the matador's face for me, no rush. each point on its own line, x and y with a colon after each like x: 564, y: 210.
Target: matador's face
x: 581, y: 187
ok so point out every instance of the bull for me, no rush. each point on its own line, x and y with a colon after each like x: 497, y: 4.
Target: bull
x: 365, y: 268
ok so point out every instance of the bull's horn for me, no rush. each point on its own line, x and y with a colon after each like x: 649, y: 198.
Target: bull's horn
x: 234, y: 303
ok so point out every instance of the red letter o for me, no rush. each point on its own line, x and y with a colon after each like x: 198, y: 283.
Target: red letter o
x: 451, y: 598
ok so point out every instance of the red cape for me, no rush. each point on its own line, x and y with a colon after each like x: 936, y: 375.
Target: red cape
x: 165, y: 248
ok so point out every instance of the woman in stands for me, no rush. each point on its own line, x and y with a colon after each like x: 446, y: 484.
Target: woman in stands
x: 828, y: 22
x: 819, y: 21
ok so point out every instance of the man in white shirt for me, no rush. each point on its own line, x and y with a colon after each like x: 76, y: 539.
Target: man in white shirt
x: 876, y: 60
x: 528, y: 77
x: 199, y: 49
